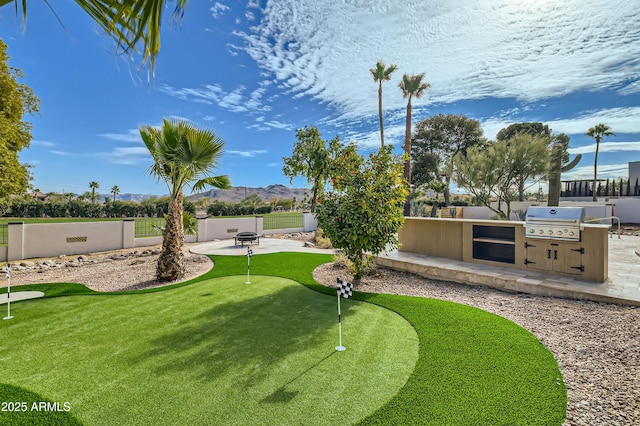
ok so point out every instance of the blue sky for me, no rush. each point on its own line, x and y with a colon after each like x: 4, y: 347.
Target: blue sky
x: 255, y: 71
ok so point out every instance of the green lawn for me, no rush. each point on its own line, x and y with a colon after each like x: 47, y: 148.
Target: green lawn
x: 218, y: 351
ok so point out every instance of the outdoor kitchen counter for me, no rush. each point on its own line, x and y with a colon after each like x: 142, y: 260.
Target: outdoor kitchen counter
x: 503, y: 243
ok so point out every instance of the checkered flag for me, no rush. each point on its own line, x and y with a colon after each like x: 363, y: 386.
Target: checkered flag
x: 249, y: 252
x: 344, y: 288
x: 8, y: 271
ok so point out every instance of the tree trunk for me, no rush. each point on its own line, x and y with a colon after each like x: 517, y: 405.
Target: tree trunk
x: 380, y: 113
x: 447, y: 191
x: 171, y: 261
x: 407, y: 163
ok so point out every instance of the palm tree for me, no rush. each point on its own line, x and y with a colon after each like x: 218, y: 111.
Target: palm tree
x: 130, y: 23
x: 598, y: 132
x: 115, y: 190
x: 182, y: 155
x: 411, y: 86
x: 380, y: 75
x: 93, y: 185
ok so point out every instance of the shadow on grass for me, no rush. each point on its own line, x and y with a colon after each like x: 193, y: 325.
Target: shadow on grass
x: 249, y: 335
x: 22, y: 407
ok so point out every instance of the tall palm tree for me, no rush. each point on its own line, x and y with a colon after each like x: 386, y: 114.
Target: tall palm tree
x: 93, y: 185
x: 182, y: 155
x: 115, y: 190
x: 598, y: 132
x: 381, y: 74
x: 133, y: 24
x: 411, y: 86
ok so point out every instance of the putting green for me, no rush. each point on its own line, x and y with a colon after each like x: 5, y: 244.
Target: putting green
x: 218, y: 351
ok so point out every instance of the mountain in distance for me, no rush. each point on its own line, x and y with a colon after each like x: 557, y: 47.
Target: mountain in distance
x: 234, y: 194
x: 238, y: 193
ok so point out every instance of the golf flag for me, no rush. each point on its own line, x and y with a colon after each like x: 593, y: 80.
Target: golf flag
x: 8, y: 271
x: 344, y: 289
x: 249, y: 254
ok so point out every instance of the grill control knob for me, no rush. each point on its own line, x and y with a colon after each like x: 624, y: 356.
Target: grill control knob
x: 571, y: 234
x: 532, y: 231
x: 559, y: 232
x: 541, y: 232
x: 550, y: 232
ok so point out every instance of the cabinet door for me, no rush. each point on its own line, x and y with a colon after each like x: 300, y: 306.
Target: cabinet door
x: 538, y: 255
x: 568, y: 258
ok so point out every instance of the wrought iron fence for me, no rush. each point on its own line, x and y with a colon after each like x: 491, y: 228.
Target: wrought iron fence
x: 148, y: 227
x: 282, y: 221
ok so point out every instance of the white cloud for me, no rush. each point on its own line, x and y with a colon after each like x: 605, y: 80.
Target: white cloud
x: 620, y: 120
x: 218, y: 9
x: 234, y: 101
x: 606, y: 147
x: 133, y: 135
x: 128, y: 155
x: 468, y: 49
x: 42, y: 143
x: 605, y: 171
x: 251, y: 153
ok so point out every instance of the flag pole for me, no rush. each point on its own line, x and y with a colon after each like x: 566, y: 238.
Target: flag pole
x: 249, y: 254
x: 8, y: 270
x: 339, y: 348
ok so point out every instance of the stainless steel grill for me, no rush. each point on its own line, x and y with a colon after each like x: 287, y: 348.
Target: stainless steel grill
x: 554, y: 223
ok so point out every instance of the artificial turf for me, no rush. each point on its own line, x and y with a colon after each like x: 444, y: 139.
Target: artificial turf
x: 472, y: 367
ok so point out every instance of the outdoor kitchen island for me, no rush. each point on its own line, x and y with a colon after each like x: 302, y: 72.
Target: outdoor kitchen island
x: 501, y: 243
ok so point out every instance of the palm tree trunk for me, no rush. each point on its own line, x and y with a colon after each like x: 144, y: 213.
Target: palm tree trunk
x: 595, y: 170
x: 171, y: 261
x: 380, y: 113
x: 407, y: 163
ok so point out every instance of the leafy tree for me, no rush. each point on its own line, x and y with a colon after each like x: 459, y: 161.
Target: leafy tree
x: 93, y: 185
x: 382, y: 73
x: 529, y: 128
x: 311, y: 159
x: 363, y: 211
x: 411, y: 86
x: 182, y: 155
x: 598, y: 132
x: 16, y: 100
x: 134, y: 25
x: 115, y: 190
x: 497, y: 169
x: 436, y: 141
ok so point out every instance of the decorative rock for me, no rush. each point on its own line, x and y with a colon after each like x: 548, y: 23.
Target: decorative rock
x: 565, y: 321
x: 26, y: 263
x: 581, y: 351
x: 117, y: 257
x: 309, y: 244
x: 83, y: 258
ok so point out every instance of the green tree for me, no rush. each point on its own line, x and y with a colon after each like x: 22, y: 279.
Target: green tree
x: 182, y: 155
x: 363, y: 211
x: 115, y: 190
x: 311, y: 159
x: 382, y: 73
x: 134, y: 25
x: 436, y: 141
x: 530, y: 128
x: 497, y: 169
x: 16, y: 100
x: 93, y: 185
x: 411, y: 87
x: 598, y: 132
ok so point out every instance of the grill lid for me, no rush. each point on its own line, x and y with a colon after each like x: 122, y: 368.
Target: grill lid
x: 555, y: 214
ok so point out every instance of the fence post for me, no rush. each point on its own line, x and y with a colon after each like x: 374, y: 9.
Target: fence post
x: 15, y: 241
x: 259, y: 225
x: 128, y: 233
x: 202, y: 230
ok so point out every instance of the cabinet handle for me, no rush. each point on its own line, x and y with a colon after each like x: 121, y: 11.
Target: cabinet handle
x: 555, y: 254
x: 548, y: 254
